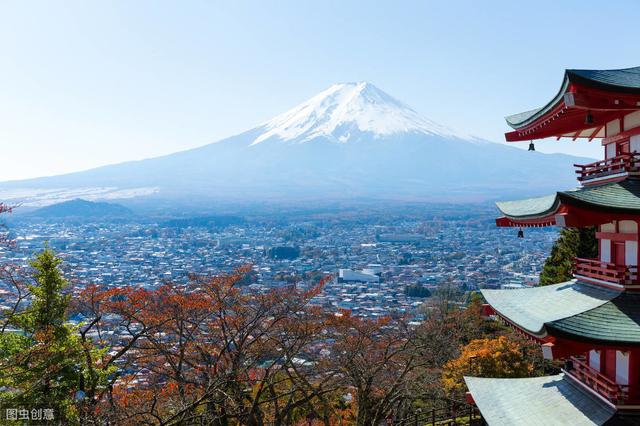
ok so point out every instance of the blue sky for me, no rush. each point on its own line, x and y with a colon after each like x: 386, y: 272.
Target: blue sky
x: 84, y: 84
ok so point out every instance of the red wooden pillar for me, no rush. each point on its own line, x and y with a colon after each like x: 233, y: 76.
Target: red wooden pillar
x: 634, y: 373
x: 609, y: 369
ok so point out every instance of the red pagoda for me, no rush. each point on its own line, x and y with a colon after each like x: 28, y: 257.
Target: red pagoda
x: 593, y: 321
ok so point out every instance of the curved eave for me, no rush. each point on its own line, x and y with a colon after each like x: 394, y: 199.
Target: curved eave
x: 530, y: 209
x: 530, y: 309
x: 506, y: 222
x: 602, y: 341
x: 523, y: 119
x: 584, y: 206
x: 625, y: 80
x: 530, y: 213
x: 616, y: 322
x: 547, y: 400
x: 617, y: 197
x: 564, y: 115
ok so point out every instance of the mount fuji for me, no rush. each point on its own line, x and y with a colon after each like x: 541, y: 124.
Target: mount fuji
x: 350, y: 141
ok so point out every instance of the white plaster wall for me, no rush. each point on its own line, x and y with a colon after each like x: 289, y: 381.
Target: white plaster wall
x: 608, y: 227
x: 622, y: 368
x: 632, y: 120
x: 613, y: 127
x: 605, y: 250
x: 634, y: 143
x: 628, y: 226
x: 631, y: 253
x: 594, y: 359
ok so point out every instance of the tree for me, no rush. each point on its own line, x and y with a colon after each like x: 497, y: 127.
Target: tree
x: 215, y: 352
x: 572, y: 242
x: 39, y: 360
x: 417, y: 290
x: 377, y: 358
x: 210, y: 350
x: 488, y: 357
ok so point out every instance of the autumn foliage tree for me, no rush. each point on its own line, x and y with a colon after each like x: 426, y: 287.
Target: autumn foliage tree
x: 488, y: 357
x: 208, y: 350
x: 375, y: 357
x: 213, y: 351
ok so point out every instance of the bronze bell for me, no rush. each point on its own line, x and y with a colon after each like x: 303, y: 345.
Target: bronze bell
x: 589, y: 118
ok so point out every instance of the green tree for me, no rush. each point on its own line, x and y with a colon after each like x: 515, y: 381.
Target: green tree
x: 40, y: 358
x: 572, y: 242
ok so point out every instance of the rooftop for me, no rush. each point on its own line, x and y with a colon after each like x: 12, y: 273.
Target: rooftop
x: 564, y: 114
x: 532, y: 308
x: 549, y: 400
x: 622, y: 197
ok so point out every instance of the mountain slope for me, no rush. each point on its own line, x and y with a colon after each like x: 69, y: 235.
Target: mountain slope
x: 350, y: 141
x: 345, y: 110
x: 82, y: 209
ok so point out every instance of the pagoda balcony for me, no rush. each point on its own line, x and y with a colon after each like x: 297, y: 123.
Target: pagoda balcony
x: 619, y: 166
x: 619, y: 275
x: 616, y: 393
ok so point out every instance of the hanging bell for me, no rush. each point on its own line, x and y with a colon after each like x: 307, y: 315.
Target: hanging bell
x: 531, y: 146
x: 520, y: 233
x: 589, y: 118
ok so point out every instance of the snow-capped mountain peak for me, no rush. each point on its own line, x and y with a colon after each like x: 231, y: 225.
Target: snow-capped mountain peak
x: 344, y: 111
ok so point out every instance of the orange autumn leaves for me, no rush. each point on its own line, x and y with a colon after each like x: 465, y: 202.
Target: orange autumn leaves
x: 497, y: 357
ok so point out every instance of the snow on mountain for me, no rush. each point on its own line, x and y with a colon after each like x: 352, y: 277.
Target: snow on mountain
x: 346, y: 109
x: 351, y: 141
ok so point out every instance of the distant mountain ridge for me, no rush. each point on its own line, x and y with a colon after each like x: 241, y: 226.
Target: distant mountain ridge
x: 82, y: 209
x: 351, y: 141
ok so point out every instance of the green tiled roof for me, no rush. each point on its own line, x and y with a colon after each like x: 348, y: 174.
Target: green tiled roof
x: 531, y: 308
x: 615, y: 321
x: 516, y: 119
x: 536, y: 401
x: 617, y: 196
x: 531, y: 207
x: 524, y: 118
x: 627, y: 80
x: 624, y: 195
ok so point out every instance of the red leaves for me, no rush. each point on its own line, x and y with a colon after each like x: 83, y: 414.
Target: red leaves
x: 186, y: 344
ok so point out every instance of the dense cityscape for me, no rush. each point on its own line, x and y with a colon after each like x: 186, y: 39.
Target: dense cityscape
x: 372, y: 260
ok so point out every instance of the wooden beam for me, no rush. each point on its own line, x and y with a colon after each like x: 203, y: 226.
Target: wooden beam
x: 621, y: 136
x: 612, y: 102
x: 595, y: 132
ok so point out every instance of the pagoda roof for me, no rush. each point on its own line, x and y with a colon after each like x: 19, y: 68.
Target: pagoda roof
x: 620, y: 197
x: 549, y: 400
x: 581, y: 90
x: 532, y: 308
x: 623, y: 195
x: 530, y: 207
x: 616, y: 321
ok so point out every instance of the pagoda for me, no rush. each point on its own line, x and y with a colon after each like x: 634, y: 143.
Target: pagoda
x: 592, y: 322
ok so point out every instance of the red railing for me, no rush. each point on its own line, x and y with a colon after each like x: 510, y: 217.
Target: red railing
x: 614, y: 392
x: 623, y: 163
x: 604, y: 271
